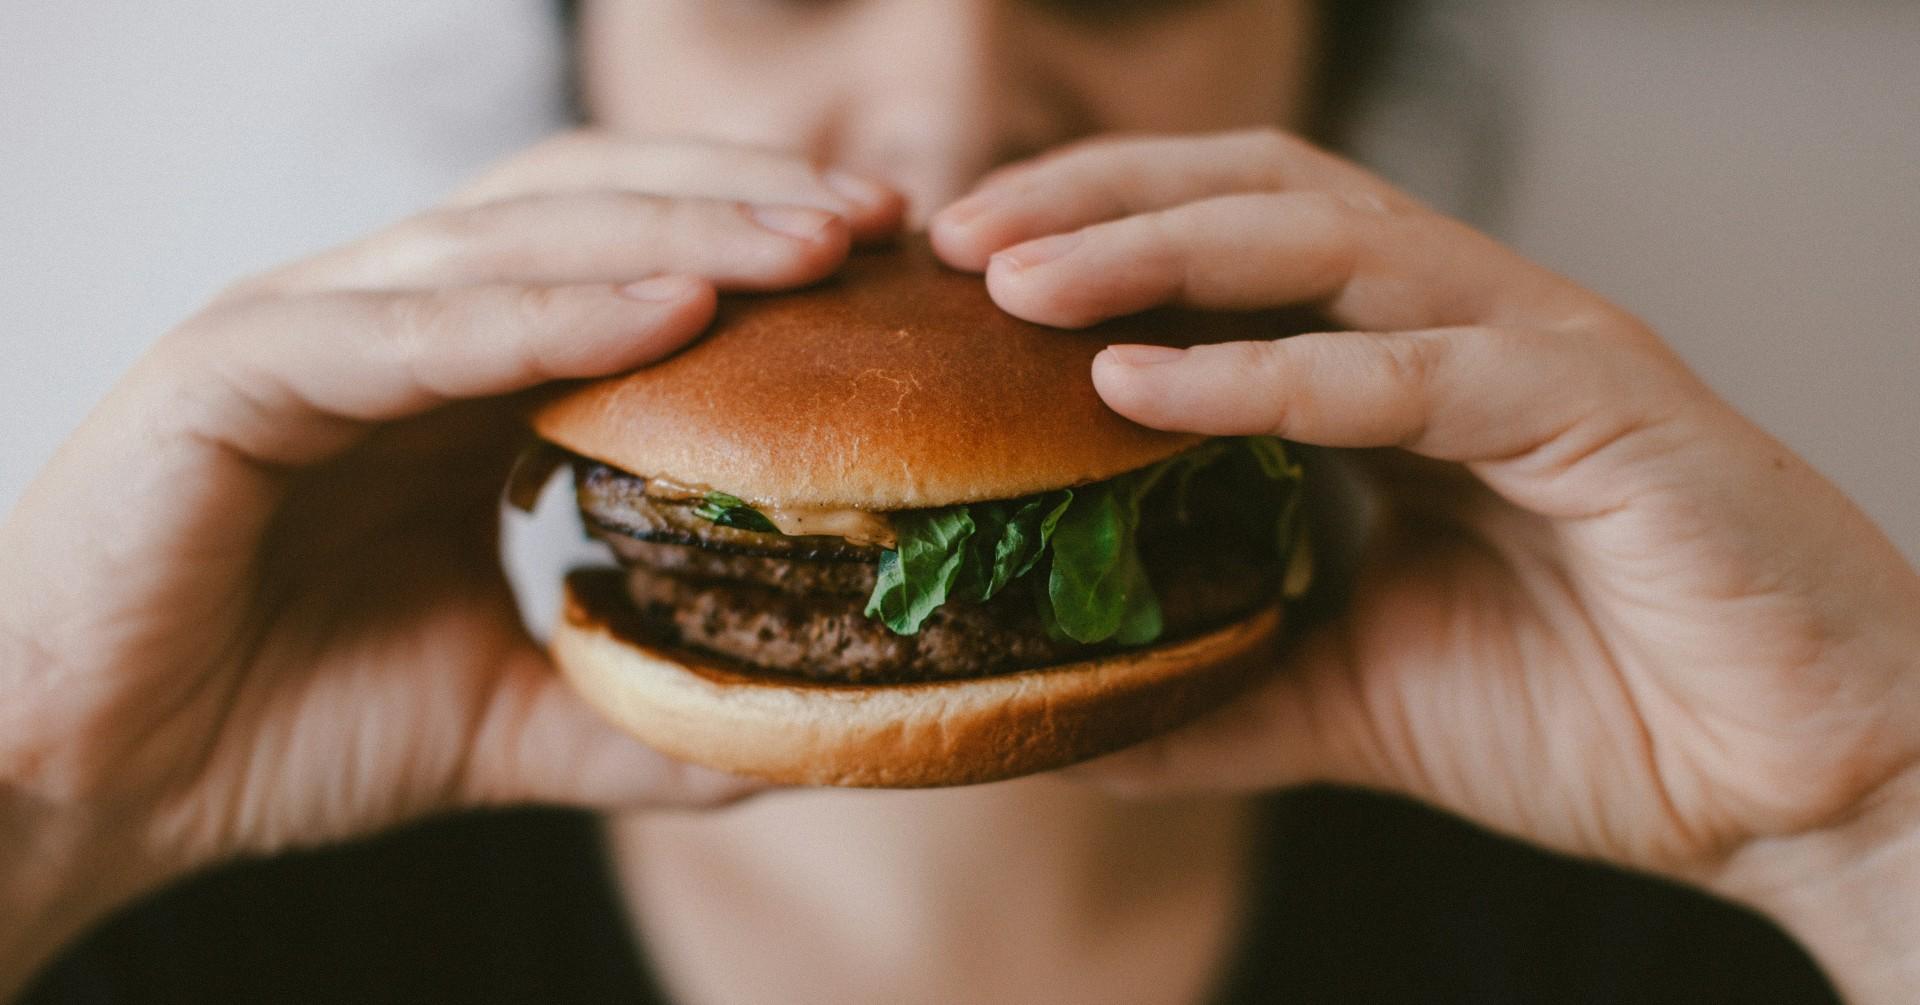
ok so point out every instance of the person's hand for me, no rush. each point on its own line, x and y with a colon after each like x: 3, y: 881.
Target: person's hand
x: 255, y: 601
x: 1601, y: 610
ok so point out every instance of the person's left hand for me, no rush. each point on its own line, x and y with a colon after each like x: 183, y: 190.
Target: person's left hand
x: 1603, y: 612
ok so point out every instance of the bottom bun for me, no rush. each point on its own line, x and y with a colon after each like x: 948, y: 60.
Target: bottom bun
x: 954, y: 732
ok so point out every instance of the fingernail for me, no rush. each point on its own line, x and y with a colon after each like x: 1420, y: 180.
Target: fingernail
x: 1144, y: 355
x: 1036, y: 253
x: 792, y: 221
x: 854, y: 188
x: 660, y: 289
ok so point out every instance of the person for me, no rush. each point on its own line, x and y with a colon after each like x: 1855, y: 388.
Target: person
x: 253, y: 604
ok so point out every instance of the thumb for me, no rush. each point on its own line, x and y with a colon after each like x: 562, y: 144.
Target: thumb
x: 538, y: 742
x: 1307, y: 722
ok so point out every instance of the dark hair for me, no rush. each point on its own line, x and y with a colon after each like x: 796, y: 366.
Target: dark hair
x: 1354, y: 35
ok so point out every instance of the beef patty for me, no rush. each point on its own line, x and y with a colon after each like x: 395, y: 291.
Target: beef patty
x: 797, y: 605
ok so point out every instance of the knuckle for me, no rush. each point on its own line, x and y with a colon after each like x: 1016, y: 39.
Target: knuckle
x: 1272, y: 366
x: 189, y: 346
x: 1645, y: 372
x: 1624, y: 363
x: 696, y: 163
x: 247, y: 289
x: 1412, y: 366
x: 1098, y: 146
x: 1271, y: 358
x: 1323, y: 209
x: 220, y: 326
x: 1078, y: 156
x: 542, y: 166
x: 649, y: 210
x: 439, y: 233
x: 533, y: 306
x: 1156, y: 235
x: 414, y: 325
x: 535, y: 309
x: 1413, y: 362
x: 1272, y: 142
x: 1337, y: 233
x: 575, y: 146
x: 575, y: 142
x: 1162, y: 246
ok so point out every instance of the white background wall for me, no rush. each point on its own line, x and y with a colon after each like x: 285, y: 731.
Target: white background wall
x: 1744, y: 174
x: 151, y: 153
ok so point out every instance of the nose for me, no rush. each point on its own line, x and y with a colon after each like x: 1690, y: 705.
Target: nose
x: 951, y: 94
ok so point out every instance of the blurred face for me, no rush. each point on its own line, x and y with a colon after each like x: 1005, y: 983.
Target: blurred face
x: 933, y: 93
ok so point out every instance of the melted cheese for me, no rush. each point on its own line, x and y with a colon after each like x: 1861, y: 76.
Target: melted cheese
x: 857, y: 526
x: 662, y: 488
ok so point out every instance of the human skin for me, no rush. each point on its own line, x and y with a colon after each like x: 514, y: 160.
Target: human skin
x: 1606, y: 614
x: 255, y: 603
x: 1603, y: 612
x: 1609, y: 614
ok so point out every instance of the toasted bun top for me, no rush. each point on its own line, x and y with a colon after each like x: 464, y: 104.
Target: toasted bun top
x: 896, y: 385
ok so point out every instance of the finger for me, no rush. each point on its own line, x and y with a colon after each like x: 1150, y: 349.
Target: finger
x: 584, y: 161
x: 594, y: 237
x: 1534, y: 404
x: 1363, y: 267
x: 1108, y: 179
x: 1306, y: 723
x: 292, y: 382
x: 539, y: 743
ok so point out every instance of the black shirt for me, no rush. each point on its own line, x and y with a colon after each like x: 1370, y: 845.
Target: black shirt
x: 1366, y: 899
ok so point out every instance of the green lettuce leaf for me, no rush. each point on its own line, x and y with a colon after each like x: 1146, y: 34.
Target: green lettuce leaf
x: 1080, y: 544
x: 974, y: 580
x: 1024, y: 539
x: 960, y: 551
x: 731, y: 511
x: 918, y: 575
x: 1097, y: 588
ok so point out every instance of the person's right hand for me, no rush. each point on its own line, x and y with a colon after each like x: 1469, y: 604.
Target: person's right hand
x: 255, y: 601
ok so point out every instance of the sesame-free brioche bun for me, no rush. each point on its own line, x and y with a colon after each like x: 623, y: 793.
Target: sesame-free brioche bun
x: 796, y: 732
x: 898, y: 384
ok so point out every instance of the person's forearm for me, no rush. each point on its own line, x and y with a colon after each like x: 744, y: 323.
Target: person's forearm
x: 1851, y: 895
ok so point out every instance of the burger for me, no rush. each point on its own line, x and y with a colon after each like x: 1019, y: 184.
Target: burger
x: 880, y: 533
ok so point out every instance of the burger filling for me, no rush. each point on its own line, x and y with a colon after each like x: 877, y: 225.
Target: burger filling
x: 1154, y: 555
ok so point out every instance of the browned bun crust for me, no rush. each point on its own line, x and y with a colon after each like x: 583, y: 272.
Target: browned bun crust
x: 896, y: 385
x: 960, y: 732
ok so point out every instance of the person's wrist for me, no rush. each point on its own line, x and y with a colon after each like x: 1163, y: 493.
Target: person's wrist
x: 57, y: 878
x: 1850, y: 892
x: 65, y: 862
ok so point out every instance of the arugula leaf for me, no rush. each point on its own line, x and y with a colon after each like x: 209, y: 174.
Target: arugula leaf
x: 1082, y: 544
x: 975, y: 580
x: 1024, y: 539
x: 918, y: 575
x: 732, y: 511
x: 1272, y: 456
x: 1098, y: 588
